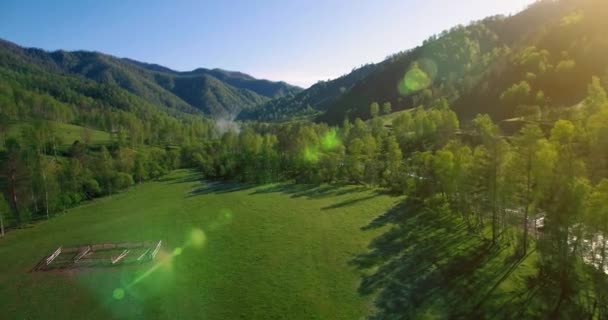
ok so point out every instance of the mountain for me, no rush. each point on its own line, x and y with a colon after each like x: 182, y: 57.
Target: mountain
x: 506, y: 66
x: 322, y: 95
x: 213, y: 92
x: 540, y: 59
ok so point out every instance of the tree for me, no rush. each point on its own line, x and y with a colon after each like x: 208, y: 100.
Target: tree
x: 518, y: 94
x: 104, y: 169
x: 443, y: 168
x: 4, y: 126
x: 393, y: 158
x: 355, y: 165
x: 386, y: 108
x: 485, y: 128
x: 492, y: 171
x: 14, y: 171
x: 86, y: 135
x: 125, y: 159
x: 596, y: 96
x: 596, y: 139
x: 370, y: 159
x: 122, y: 181
x: 462, y: 179
x: 565, y: 205
x: 403, y: 128
x: 4, y: 208
x: 139, y: 171
x: 598, y: 217
x: 597, y: 221
x: 565, y: 66
x: 523, y: 164
x: 374, y: 109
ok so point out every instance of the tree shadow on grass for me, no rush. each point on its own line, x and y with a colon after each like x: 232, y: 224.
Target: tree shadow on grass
x: 349, y: 202
x: 219, y: 187
x: 428, y: 264
x: 310, y: 191
x: 399, y: 212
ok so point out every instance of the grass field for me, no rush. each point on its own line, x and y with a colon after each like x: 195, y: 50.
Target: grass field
x: 67, y: 132
x: 266, y: 252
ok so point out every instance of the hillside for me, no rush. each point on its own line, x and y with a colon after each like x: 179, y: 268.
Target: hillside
x: 212, y: 92
x: 321, y: 95
x: 539, y: 59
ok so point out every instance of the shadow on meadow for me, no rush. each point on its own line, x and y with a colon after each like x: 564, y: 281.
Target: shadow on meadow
x: 428, y: 265
x: 349, y: 202
x: 219, y: 187
x: 293, y: 190
x: 308, y: 191
x: 312, y: 191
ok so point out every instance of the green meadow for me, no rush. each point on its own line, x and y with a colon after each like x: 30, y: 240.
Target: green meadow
x: 67, y: 133
x: 263, y: 252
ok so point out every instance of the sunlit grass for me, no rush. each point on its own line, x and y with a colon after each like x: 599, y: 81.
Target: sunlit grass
x: 268, y: 252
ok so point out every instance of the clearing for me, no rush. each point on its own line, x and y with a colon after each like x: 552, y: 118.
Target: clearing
x: 68, y: 133
x: 229, y: 252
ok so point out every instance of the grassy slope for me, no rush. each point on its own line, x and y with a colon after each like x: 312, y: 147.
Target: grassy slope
x: 67, y: 132
x: 272, y: 252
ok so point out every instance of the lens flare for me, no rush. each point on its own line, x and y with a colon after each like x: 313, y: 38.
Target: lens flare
x: 311, y: 154
x: 164, y: 262
x: 226, y: 215
x: 197, y: 238
x: 224, y: 218
x: 118, y: 294
x: 177, y: 251
x: 330, y: 140
x: 414, y: 80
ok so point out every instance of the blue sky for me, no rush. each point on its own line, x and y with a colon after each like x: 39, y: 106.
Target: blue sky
x: 297, y: 41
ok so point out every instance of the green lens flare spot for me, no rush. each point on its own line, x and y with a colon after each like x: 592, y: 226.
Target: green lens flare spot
x: 177, y: 251
x: 223, y: 218
x: 197, y: 238
x: 118, y: 294
x: 311, y: 154
x: 226, y: 215
x: 330, y: 140
x: 414, y: 80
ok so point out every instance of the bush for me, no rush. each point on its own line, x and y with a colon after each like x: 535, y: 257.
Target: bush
x: 91, y: 188
x: 122, y: 181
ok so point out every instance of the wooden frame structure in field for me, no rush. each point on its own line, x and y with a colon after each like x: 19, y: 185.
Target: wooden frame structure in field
x: 99, y: 255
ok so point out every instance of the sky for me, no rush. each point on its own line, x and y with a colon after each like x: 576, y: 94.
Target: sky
x: 297, y: 41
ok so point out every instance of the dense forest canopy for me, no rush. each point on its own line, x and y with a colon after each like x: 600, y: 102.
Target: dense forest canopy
x: 501, y: 125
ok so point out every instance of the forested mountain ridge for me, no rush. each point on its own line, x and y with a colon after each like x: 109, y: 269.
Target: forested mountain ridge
x: 214, y: 92
x: 538, y: 59
x: 309, y: 102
